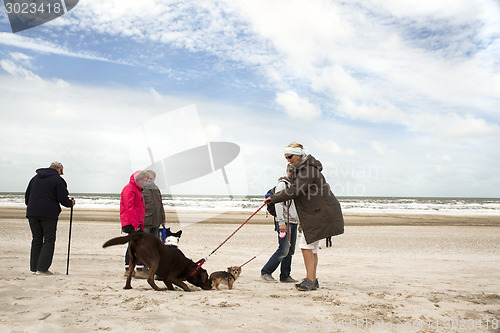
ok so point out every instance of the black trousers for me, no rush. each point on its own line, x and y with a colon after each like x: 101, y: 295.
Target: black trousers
x: 129, y: 229
x: 43, y: 231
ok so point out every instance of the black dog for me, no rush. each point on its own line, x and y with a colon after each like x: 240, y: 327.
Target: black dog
x: 169, y: 263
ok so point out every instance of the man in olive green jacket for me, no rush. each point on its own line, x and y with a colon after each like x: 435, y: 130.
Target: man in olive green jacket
x: 155, y: 214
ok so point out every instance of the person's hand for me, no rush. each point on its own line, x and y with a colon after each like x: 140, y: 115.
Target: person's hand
x: 283, y: 228
x: 74, y: 202
x: 268, y: 201
x: 137, y: 229
x: 163, y: 224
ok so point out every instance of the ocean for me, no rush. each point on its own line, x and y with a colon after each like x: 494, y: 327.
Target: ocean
x: 361, y: 205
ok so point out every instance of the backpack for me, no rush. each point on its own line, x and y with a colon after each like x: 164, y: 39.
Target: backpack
x: 270, y: 207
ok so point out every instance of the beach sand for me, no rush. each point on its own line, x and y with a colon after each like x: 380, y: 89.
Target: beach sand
x: 392, y: 273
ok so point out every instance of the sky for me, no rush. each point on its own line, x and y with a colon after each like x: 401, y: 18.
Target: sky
x: 395, y: 98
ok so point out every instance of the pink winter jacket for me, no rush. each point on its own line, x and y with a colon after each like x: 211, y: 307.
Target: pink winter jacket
x: 132, y: 207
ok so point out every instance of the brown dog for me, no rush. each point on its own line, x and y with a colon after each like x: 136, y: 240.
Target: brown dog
x: 225, y: 277
x: 169, y: 263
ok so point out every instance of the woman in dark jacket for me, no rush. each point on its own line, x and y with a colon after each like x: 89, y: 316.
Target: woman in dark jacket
x: 319, y: 211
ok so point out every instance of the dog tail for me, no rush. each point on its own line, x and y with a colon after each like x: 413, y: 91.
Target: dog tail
x: 121, y: 240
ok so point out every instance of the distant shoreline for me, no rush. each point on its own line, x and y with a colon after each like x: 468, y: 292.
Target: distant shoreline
x: 259, y: 195
x: 238, y: 217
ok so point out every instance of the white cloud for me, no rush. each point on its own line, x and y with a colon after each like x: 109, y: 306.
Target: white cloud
x: 379, y: 147
x: 373, y: 113
x: 471, y: 126
x: 452, y: 9
x: 375, y: 58
x: 443, y: 158
x: 453, y: 126
x: 375, y: 80
x: 367, y: 56
x: 333, y: 148
x: 18, y: 71
x: 297, y: 107
x: 303, y: 30
x: 446, y: 158
x: 21, y: 57
x: 336, y: 80
x: 497, y: 86
x: 42, y: 46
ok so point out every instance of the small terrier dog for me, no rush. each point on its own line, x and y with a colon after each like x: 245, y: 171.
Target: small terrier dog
x: 227, y: 277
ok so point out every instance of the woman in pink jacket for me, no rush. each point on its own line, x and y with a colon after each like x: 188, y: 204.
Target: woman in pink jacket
x: 132, y: 211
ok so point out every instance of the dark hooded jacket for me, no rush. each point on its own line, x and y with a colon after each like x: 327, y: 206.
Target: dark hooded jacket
x: 44, y: 194
x: 155, y: 214
x: 319, y: 211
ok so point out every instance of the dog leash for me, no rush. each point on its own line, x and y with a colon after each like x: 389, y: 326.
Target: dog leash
x: 202, y: 261
x: 248, y: 261
x: 218, y: 247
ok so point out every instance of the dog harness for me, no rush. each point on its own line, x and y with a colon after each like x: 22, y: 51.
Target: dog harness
x: 199, y: 262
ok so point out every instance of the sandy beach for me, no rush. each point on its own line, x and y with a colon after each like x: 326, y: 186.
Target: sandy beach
x: 387, y: 273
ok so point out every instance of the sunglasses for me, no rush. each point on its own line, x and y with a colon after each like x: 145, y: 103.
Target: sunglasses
x: 289, y: 157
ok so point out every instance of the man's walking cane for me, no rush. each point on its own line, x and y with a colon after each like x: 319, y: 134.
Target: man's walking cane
x: 69, y: 237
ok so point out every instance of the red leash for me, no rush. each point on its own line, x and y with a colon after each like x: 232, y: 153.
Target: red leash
x: 202, y: 261
x: 248, y: 261
x: 236, y: 230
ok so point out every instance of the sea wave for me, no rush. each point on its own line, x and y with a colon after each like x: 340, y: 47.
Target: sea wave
x: 361, y: 205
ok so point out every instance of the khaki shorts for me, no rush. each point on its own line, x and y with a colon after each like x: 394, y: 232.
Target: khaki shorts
x: 303, y: 245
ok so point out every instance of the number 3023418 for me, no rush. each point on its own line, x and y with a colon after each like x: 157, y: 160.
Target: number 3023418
x: 33, y: 8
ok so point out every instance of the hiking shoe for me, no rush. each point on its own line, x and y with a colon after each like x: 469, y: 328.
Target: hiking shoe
x: 267, y: 278
x: 142, y: 273
x: 47, y: 272
x: 288, y: 279
x: 305, y: 285
x: 316, y: 284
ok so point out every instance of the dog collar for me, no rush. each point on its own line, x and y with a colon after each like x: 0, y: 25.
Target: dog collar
x: 199, y: 262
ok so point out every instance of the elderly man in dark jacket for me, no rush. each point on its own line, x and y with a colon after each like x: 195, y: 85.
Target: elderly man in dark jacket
x: 45, y: 192
x: 319, y: 211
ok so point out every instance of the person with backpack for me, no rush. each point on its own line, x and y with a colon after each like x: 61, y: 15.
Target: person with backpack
x: 319, y: 211
x: 285, y: 224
